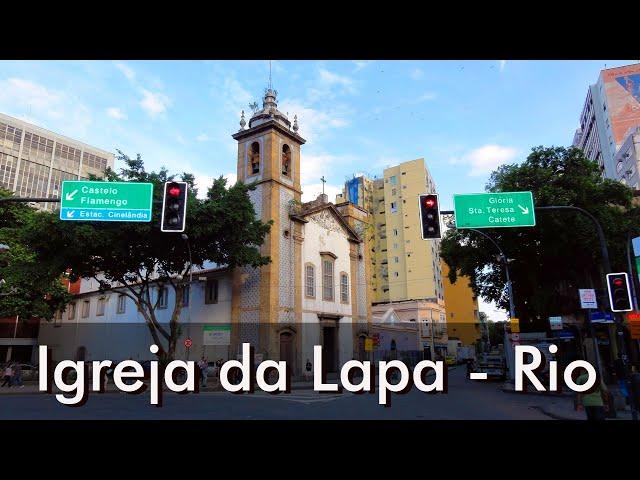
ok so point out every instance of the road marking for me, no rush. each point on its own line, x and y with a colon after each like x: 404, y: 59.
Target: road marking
x: 478, y: 376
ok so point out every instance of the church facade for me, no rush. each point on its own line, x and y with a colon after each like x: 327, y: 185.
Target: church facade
x: 315, y: 290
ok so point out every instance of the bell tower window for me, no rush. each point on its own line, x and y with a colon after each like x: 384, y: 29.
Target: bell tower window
x: 254, y: 159
x: 286, y: 161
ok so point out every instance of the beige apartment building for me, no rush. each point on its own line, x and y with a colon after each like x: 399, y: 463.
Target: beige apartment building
x: 34, y: 162
x: 406, y: 271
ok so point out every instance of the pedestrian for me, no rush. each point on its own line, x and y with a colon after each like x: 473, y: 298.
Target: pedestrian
x: 594, y: 403
x: 8, y: 373
x: 307, y: 370
x: 203, y: 371
x: 17, y: 375
x: 469, y: 366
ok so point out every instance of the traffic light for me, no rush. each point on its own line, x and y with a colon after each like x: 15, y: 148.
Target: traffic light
x: 430, y: 216
x: 174, y: 207
x: 619, y: 292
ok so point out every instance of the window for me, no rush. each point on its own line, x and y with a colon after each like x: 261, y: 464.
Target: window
x: 58, y: 315
x: 162, y: 297
x: 85, y: 308
x: 396, y: 259
x: 122, y: 304
x: 393, y: 191
x: 327, y: 279
x: 395, y: 274
x: 102, y: 303
x: 254, y: 158
x: 395, y: 232
x: 286, y: 161
x: 71, y: 311
x: 393, y: 180
x: 186, y: 293
x: 310, y: 281
x: 394, y: 207
x: 211, y: 293
x: 344, y: 288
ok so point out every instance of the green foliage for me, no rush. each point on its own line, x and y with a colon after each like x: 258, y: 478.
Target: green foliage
x: 131, y: 257
x: 551, y: 261
x: 27, y: 289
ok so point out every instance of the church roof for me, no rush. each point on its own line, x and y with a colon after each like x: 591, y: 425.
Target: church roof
x: 311, y: 208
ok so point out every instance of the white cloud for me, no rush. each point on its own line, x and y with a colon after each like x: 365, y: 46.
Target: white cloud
x: 503, y: 63
x: 203, y: 137
x: 328, y: 82
x: 360, y: 64
x: 428, y: 96
x: 232, y: 178
x: 312, y: 190
x: 116, y: 113
x: 47, y: 107
x: 126, y: 71
x: 29, y: 93
x: 494, y: 314
x: 485, y: 159
x: 416, y: 74
x: 154, y: 103
x: 312, y: 122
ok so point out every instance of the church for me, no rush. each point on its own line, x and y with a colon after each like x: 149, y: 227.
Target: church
x: 315, y: 291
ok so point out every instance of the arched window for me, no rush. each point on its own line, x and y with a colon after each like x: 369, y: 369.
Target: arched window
x: 286, y: 161
x: 254, y: 158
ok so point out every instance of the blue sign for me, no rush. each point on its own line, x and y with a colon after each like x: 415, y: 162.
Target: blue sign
x: 601, y: 317
x: 636, y: 246
x: 563, y: 334
x: 105, y: 214
x: 352, y: 186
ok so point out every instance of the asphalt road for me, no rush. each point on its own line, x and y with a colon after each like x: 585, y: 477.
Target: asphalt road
x: 466, y: 399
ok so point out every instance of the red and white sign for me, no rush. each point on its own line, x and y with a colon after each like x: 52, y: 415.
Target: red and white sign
x: 188, y: 342
x: 588, y: 298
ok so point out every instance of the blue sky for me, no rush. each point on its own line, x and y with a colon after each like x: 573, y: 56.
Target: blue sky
x: 463, y: 117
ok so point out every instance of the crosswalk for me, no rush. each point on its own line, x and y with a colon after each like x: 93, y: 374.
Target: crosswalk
x: 306, y: 397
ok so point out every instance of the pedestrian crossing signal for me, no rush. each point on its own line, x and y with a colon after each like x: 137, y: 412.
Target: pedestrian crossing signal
x: 430, y: 216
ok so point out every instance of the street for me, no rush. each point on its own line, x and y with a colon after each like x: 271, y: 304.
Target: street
x: 465, y: 400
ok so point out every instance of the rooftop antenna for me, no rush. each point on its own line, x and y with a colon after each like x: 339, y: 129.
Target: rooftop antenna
x: 270, y: 86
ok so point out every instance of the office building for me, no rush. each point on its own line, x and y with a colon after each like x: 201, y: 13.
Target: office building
x: 610, y: 114
x: 34, y: 162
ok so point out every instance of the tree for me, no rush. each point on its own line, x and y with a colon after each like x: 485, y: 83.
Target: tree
x: 550, y: 261
x: 27, y: 288
x: 496, y: 333
x: 131, y: 258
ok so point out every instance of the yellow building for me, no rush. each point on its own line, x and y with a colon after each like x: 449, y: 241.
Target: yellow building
x: 463, y: 321
x: 406, y: 272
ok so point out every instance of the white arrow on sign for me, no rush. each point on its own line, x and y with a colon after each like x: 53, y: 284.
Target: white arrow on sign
x: 69, y: 196
x: 525, y: 210
x: 71, y: 213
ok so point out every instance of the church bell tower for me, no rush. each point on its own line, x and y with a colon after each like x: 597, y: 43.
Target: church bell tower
x: 267, y: 300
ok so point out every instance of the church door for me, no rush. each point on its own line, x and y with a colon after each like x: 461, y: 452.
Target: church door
x: 286, y: 349
x: 329, y: 347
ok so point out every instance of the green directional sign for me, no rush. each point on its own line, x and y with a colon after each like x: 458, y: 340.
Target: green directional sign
x: 494, y: 210
x: 106, y: 201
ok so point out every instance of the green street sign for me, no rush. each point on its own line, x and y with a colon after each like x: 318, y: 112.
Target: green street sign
x: 106, y: 201
x: 494, y: 210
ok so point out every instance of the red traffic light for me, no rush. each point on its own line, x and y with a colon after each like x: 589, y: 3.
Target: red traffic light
x: 174, y: 191
x: 618, y: 282
x: 429, y: 202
